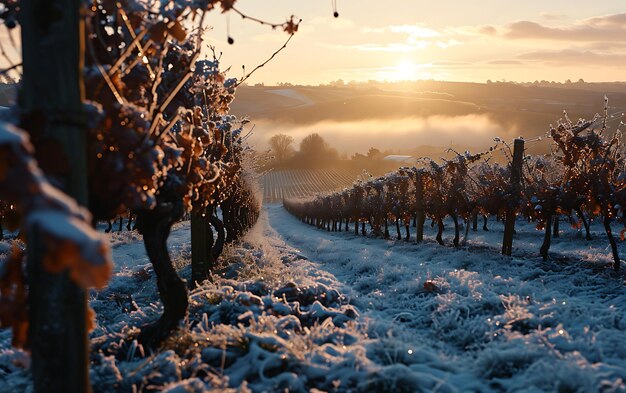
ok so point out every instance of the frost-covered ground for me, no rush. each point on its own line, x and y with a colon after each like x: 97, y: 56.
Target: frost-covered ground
x: 301, y: 309
x: 478, y: 321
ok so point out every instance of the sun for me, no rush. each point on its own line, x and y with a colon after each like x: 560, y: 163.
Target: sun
x: 405, y: 71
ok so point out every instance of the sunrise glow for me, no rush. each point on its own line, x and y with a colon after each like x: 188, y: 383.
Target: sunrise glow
x: 515, y: 41
x: 405, y: 71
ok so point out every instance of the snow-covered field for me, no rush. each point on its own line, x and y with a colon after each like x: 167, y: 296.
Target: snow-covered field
x: 298, y: 308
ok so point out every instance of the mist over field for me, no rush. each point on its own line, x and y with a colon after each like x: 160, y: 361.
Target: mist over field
x: 419, y: 118
x: 397, y: 135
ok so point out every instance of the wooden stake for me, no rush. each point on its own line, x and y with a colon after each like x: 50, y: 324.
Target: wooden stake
x: 420, y: 216
x: 199, y: 249
x: 516, y: 177
x: 51, y: 105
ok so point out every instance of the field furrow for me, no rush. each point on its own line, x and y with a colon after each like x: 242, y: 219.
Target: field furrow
x: 303, y: 183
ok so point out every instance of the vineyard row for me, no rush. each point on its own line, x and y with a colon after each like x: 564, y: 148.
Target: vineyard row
x: 582, y: 178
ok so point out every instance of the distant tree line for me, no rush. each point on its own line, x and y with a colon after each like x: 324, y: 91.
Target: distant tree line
x: 312, y: 149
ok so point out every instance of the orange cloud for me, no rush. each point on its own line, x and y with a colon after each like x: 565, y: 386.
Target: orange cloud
x: 603, y: 28
x: 573, y: 56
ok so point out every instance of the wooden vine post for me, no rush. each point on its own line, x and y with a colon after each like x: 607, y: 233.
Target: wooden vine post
x: 51, y: 106
x: 420, y: 215
x: 200, y: 251
x: 516, y: 177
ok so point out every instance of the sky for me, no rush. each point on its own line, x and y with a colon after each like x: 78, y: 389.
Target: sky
x: 417, y: 39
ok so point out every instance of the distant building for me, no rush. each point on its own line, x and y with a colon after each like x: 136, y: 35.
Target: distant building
x: 399, y: 158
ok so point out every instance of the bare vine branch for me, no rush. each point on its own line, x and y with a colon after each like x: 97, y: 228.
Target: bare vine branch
x: 249, y: 74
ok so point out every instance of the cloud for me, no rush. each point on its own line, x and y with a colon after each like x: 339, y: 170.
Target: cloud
x: 568, y: 57
x: 505, y: 62
x: 605, y: 46
x: 390, y: 47
x: 595, y: 41
x: 417, y: 30
x: 615, y: 20
x: 416, y: 37
x: 468, y: 32
x: 409, y: 45
x: 487, y: 30
x: 602, y: 28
